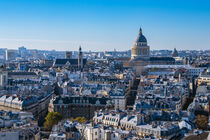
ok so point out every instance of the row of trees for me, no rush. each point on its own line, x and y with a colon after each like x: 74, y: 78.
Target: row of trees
x: 53, y: 118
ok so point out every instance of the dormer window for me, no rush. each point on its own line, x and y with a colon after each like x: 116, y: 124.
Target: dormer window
x: 68, y: 63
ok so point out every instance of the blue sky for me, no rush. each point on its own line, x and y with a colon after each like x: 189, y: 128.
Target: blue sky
x: 100, y: 25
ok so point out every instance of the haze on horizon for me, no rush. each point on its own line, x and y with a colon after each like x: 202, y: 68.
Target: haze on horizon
x: 105, y: 24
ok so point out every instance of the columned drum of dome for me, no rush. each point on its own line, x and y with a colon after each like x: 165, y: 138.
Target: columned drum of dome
x: 140, y: 49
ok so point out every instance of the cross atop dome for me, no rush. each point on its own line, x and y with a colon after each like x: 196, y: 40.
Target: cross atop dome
x: 140, y: 31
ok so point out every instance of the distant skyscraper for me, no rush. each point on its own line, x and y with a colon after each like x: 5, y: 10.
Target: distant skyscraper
x: 140, y: 48
x: 10, y: 55
x: 68, y: 54
x: 22, y: 51
x: 3, y: 53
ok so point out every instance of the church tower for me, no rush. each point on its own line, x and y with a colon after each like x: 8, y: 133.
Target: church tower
x: 175, y: 53
x: 80, y: 58
x: 140, y: 49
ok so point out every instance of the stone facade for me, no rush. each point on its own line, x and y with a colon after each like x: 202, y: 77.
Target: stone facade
x: 77, y: 106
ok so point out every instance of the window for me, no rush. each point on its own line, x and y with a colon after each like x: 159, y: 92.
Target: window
x: 95, y: 133
x: 4, y: 79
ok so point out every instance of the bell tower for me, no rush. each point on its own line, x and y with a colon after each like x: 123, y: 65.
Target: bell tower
x: 80, y: 58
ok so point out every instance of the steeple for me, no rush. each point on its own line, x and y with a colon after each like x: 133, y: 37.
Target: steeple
x: 80, y: 49
x: 80, y: 58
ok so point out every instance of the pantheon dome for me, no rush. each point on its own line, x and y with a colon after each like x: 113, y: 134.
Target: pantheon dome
x: 141, y: 37
x: 140, y: 49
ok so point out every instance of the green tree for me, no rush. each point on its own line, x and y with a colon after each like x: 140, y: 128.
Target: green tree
x: 52, y: 119
x: 202, y: 122
x: 80, y: 119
